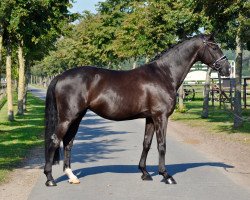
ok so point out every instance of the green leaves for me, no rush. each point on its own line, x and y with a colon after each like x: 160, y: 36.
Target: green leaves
x: 127, y: 29
x: 227, y: 19
x: 124, y: 30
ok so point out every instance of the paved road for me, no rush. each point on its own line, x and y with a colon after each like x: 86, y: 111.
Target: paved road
x: 105, y: 158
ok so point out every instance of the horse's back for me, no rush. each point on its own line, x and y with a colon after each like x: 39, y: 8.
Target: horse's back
x: 115, y: 95
x: 112, y: 94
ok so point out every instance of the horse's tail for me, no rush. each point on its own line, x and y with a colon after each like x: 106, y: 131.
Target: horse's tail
x: 51, y: 120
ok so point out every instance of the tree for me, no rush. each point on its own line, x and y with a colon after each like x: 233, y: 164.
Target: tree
x: 230, y: 20
x: 77, y: 47
x: 29, y: 21
x: 24, y: 25
x: 1, y: 53
x: 148, y: 27
x: 123, y: 30
x: 204, y: 113
x: 9, y: 83
x: 5, y: 13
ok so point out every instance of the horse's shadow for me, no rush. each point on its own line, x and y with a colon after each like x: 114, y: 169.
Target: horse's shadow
x: 95, y: 150
x: 127, y: 169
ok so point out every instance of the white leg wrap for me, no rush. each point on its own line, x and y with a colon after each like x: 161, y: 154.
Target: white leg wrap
x: 72, y: 178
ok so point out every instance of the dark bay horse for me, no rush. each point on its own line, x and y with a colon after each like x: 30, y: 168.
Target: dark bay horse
x: 148, y: 91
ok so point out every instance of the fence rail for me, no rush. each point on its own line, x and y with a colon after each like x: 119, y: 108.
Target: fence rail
x: 246, y: 91
x: 222, y: 90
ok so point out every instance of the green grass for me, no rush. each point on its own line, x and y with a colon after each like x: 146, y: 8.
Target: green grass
x: 2, y: 102
x: 17, y: 137
x: 219, y: 120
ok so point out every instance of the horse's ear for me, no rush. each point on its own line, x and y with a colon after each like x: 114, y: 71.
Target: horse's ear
x: 211, y: 36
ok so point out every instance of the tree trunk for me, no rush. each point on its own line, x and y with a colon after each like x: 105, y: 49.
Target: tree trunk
x: 21, y: 80
x: 25, y: 98
x: 181, y: 96
x: 205, y: 110
x: 1, y: 56
x: 26, y: 84
x: 238, y: 122
x: 9, y: 84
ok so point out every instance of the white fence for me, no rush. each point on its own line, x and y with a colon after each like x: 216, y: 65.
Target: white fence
x: 199, y: 75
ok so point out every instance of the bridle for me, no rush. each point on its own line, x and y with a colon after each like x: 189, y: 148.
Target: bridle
x: 215, y: 65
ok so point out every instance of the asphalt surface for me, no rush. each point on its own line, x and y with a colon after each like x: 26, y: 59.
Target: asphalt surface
x: 105, y: 156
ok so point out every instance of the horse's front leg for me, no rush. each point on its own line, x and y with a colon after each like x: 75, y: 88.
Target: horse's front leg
x: 160, y: 123
x: 149, y: 132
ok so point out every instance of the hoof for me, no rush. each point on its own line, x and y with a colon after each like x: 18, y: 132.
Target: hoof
x: 146, y: 177
x: 50, y: 183
x: 169, y: 180
x: 74, y: 181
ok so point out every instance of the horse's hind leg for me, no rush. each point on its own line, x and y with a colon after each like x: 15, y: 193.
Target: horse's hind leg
x: 68, y: 143
x: 53, y: 147
x: 149, y: 132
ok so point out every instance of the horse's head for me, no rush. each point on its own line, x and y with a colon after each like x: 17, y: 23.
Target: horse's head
x: 211, y: 54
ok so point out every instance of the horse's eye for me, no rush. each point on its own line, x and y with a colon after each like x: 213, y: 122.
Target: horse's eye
x: 215, y: 47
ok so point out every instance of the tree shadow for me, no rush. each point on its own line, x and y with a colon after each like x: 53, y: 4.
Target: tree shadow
x: 95, y: 143
x: 91, y: 145
x: 153, y: 169
x: 38, y: 92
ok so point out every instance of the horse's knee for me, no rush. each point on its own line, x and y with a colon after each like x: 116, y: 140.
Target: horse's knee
x: 55, y: 141
x: 162, y: 149
x: 68, y: 146
x: 146, y: 146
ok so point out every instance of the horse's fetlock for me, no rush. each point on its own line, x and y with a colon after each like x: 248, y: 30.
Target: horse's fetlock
x: 141, y: 167
x: 68, y: 148
x: 146, y: 147
x: 162, y: 149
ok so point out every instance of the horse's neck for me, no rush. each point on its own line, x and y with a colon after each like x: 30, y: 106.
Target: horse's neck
x: 177, y: 63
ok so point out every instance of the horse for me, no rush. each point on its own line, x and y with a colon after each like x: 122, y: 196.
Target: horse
x: 148, y: 91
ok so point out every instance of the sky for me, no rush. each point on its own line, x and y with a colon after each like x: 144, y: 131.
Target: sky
x: 82, y: 5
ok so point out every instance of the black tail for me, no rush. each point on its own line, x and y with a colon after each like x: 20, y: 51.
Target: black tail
x: 51, y: 120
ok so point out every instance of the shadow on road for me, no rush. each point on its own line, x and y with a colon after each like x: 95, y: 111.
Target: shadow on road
x: 127, y: 169
x: 92, y: 145
x: 38, y: 92
x: 95, y: 143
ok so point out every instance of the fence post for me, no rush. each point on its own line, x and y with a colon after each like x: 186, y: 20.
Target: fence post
x: 245, y: 93
x: 205, y: 109
x: 220, y: 94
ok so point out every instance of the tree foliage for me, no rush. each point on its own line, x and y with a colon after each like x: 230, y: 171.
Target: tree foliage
x: 121, y: 30
x: 126, y: 29
x: 227, y: 19
x: 24, y: 25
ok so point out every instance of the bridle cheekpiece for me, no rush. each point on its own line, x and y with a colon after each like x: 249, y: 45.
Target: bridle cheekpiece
x: 215, y: 65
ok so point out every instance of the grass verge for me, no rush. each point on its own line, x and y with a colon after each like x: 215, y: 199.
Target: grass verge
x: 219, y: 120
x: 17, y: 137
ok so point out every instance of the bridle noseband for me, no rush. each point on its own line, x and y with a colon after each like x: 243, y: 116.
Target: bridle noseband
x: 215, y: 65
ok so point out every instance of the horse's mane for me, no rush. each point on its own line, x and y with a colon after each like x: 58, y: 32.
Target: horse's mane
x: 173, y: 46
